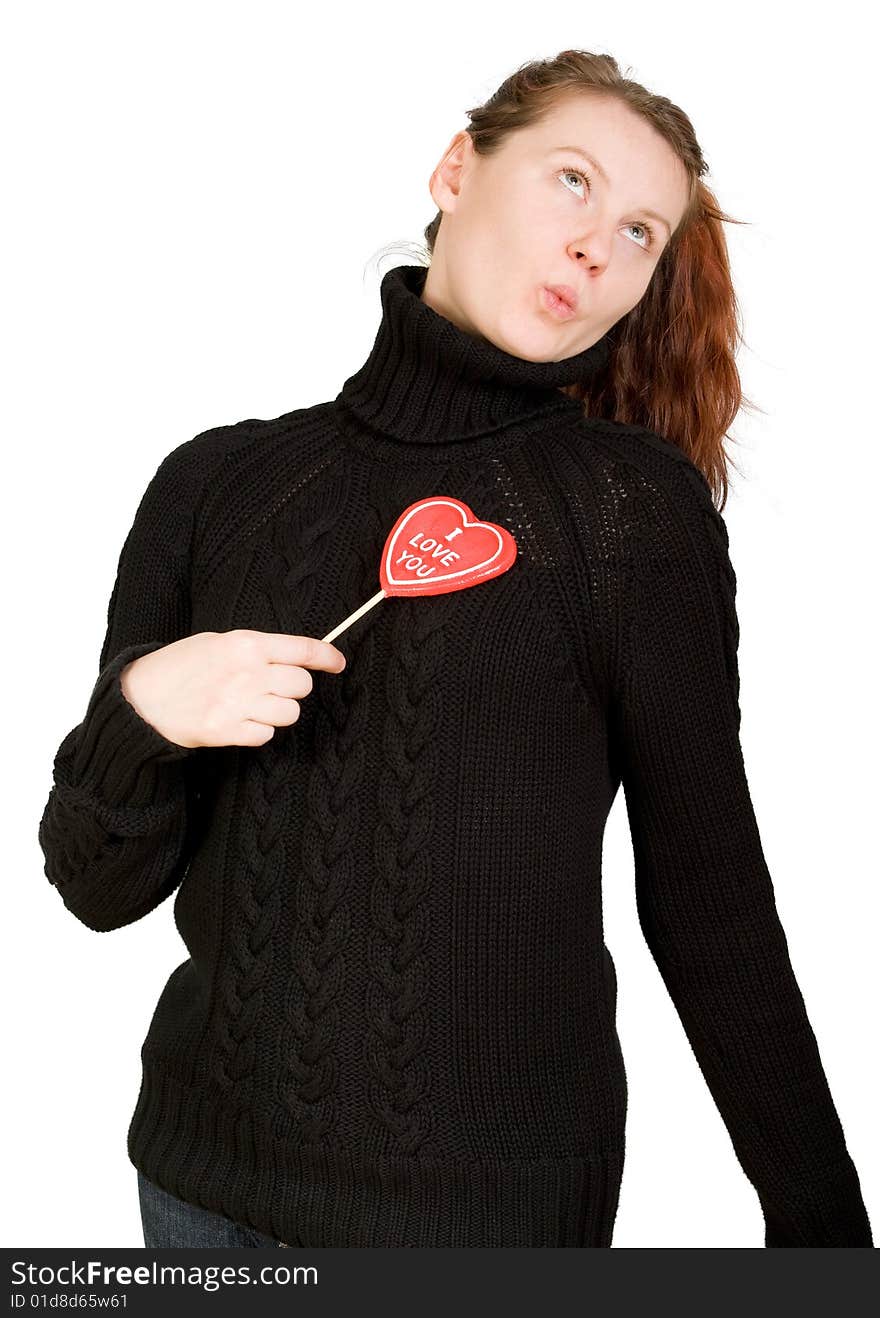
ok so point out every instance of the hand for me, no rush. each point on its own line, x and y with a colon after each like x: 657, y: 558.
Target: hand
x: 226, y: 688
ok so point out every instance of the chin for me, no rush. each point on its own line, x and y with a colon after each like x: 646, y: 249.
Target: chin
x: 543, y: 347
x: 531, y: 340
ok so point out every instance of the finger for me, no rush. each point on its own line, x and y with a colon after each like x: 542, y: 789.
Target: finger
x: 276, y: 710
x: 291, y: 680
x: 252, y: 734
x: 307, y: 651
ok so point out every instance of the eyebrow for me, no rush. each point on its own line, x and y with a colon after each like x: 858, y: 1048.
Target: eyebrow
x: 579, y: 150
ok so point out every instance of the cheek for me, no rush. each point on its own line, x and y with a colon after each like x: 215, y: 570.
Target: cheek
x: 494, y: 237
x: 630, y: 290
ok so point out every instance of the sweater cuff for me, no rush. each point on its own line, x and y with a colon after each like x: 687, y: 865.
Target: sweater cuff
x: 120, y: 757
x: 835, y: 1217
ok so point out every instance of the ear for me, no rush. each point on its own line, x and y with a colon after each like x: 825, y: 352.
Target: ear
x: 446, y: 181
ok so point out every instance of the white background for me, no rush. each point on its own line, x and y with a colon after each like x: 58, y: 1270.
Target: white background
x: 196, y: 197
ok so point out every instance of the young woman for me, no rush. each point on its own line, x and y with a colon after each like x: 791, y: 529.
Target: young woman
x: 396, y: 1023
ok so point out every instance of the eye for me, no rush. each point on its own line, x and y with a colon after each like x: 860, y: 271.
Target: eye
x: 574, y: 173
x: 649, y: 233
x: 569, y: 171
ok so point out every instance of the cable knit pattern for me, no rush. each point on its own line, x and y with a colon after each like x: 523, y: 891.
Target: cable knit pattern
x: 308, y: 1060
x: 258, y: 857
x: 263, y: 806
x: 397, y: 996
x: 395, y: 1021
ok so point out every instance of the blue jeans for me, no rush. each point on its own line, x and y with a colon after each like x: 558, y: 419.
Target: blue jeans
x: 169, y: 1222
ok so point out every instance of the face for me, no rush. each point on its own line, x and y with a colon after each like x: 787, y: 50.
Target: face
x: 536, y: 213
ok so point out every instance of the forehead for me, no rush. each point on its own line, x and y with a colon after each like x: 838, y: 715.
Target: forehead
x: 642, y: 167
x: 597, y: 124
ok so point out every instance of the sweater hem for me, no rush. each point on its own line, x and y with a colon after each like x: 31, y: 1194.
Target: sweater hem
x: 230, y: 1162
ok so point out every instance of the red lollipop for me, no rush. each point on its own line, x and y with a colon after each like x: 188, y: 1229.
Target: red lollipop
x: 437, y: 546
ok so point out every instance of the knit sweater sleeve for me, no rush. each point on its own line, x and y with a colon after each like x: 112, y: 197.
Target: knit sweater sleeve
x: 114, y: 831
x: 705, y: 897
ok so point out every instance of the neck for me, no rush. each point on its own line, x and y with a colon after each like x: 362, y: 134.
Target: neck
x: 428, y: 383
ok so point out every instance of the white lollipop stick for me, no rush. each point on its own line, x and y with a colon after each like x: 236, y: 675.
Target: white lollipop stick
x: 353, y: 617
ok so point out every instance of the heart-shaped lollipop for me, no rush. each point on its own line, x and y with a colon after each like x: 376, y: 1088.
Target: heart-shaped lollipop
x: 437, y: 546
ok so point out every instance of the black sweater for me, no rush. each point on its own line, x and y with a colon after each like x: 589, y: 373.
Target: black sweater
x: 396, y: 1022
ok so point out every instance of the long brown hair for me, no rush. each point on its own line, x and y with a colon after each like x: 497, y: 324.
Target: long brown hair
x: 672, y: 368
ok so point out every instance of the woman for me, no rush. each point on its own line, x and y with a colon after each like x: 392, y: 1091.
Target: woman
x: 396, y: 1025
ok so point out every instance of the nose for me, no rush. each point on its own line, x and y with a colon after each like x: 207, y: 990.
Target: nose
x: 591, y: 248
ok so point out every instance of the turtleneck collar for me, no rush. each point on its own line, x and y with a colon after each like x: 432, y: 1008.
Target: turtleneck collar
x: 428, y: 383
